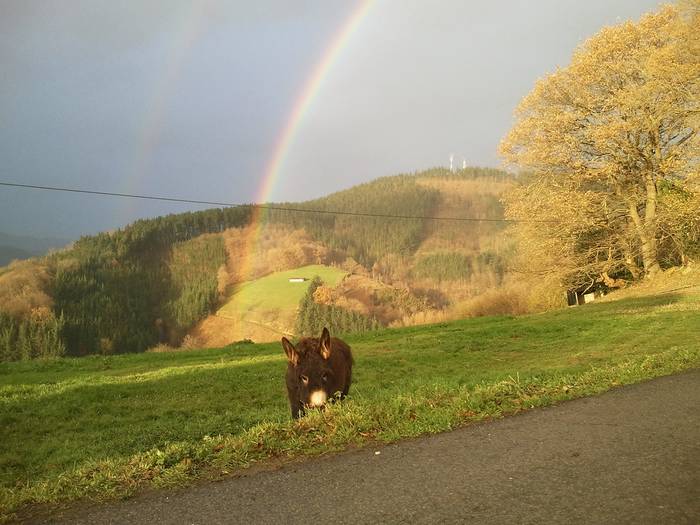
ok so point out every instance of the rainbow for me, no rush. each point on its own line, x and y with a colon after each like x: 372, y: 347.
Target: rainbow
x: 311, y: 88
x: 285, y: 140
x: 189, y: 24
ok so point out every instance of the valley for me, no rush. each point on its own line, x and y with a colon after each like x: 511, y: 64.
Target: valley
x: 399, y: 254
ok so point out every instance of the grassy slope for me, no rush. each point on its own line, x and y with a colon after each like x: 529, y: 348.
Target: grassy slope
x: 272, y: 300
x: 274, y: 291
x: 100, y: 427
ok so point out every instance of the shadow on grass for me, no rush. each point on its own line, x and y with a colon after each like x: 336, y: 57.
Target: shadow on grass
x: 120, y: 419
x: 637, y: 302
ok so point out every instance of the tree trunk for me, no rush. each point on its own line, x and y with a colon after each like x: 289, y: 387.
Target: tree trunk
x: 646, y: 229
x: 632, y: 268
x: 650, y: 256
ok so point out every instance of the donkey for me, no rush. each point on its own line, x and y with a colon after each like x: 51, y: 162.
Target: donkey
x: 317, y: 371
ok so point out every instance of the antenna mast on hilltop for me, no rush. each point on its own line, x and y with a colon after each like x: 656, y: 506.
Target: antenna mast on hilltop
x: 464, y: 164
x: 452, y: 158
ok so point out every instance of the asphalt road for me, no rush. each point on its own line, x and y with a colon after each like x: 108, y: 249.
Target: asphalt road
x: 628, y: 456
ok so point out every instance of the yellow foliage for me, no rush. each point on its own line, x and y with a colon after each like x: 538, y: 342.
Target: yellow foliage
x: 601, y: 136
x: 23, y: 289
x: 277, y: 248
x: 323, y: 295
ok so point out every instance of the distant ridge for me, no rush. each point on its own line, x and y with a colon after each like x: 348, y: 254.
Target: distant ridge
x: 24, y: 246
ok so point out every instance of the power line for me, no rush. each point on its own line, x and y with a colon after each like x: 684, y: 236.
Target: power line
x: 263, y: 206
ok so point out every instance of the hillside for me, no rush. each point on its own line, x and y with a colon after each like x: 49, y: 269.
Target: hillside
x: 263, y: 309
x: 472, y: 192
x: 154, y: 281
x: 401, y: 271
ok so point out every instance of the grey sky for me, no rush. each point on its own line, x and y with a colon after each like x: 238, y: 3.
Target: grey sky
x: 188, y: 99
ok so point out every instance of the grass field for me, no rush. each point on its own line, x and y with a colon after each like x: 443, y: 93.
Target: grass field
x: 272, y: 300
x: 102, y: 427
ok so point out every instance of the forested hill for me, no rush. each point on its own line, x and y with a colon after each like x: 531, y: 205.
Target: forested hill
x: 369, y: 239
x: 149, y: 282
x: 115, y: 292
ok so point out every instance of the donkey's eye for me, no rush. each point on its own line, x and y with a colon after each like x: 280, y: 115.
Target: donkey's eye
x: 305, y: 379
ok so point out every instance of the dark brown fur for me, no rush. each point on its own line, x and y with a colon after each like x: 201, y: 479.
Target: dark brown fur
x: 315, y: 364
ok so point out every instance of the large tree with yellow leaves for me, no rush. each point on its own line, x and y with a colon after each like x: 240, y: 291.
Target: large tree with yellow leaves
x: 611, y: 146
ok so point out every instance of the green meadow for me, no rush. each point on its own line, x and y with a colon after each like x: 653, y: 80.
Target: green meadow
x: 272, y: 301
x: 275, y: 292
x: 104, y: 427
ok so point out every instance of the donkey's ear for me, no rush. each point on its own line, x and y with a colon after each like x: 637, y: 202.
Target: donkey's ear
x: 292, y: 354
x: 325, y: 345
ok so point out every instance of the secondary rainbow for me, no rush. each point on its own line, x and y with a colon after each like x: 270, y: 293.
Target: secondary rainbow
x: 188, y: 24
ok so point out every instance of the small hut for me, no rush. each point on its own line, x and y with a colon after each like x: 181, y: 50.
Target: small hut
x: 585, y: 295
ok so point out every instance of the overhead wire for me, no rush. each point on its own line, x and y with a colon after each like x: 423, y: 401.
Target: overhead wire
x: 265, y: 206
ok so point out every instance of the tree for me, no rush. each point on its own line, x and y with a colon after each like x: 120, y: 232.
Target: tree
x: 604, y: 140
x: 323, y: 295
